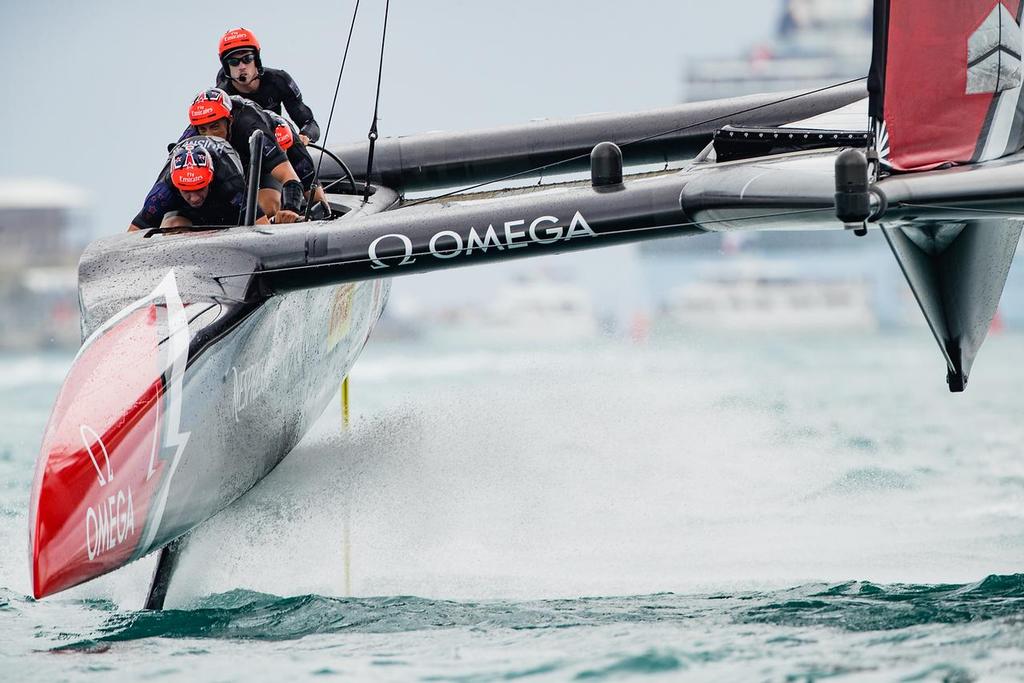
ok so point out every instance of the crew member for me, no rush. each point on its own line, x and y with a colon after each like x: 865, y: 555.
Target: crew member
x: 242, y: 73
x: 202, y: 184
x: 234, y: 119
x: 288, y: 140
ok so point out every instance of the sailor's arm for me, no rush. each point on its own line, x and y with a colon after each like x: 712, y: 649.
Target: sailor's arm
x: 159, y: 201
x: 304, y: 167
x: 300, y: 113
x: 291, y: 193
x: 277, y: 167
x: 261, y: 218
x: 232, y: 189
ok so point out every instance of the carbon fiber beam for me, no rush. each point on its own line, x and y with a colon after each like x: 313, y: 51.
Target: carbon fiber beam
x: 437, y: 160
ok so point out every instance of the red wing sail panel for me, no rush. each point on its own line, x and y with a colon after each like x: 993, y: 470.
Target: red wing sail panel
x: 945, y: 81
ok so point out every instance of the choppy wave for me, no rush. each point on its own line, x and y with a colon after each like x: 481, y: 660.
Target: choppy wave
x: 867, y: 631
x: 851, y: 606
x: 493, y: 483
x: 864, y: 606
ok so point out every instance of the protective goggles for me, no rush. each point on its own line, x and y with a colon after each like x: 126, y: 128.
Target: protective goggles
x: 247, y: 58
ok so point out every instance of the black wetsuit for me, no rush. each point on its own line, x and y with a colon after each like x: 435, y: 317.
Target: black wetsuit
x: 297, y: 154
x: 225, y: 205
x: 277, y: 88
x: 246, y: 117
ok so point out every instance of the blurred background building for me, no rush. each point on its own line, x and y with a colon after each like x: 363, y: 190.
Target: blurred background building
x: 42, y: 233
x: 816, y: 43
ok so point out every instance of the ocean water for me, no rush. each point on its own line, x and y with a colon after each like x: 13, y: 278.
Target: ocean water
x: 759, y: 507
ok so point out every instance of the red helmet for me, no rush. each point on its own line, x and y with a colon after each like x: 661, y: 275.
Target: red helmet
x: 191, y: 168
x: 239, y: 39
x: 235, y: 39
x: 209, y: 106
x: 283, y: 132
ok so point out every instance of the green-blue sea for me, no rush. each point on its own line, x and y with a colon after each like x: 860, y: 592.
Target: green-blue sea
x: 760, y: 507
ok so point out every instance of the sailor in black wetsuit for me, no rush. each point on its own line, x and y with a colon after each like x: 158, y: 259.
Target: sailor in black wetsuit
x: 234, y: 119
x: 242, y: 73
x: 288, y: 140
x: 202, y: 184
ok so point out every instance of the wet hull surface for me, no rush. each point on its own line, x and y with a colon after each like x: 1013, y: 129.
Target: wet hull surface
x: 161, y: 423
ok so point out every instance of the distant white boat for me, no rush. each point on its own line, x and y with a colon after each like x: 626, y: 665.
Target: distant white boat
x: 533, y: 310
x: 756, y: 295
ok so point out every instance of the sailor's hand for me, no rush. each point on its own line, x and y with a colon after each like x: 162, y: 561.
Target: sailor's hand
x: 286, y: 216
x: 305, y: 139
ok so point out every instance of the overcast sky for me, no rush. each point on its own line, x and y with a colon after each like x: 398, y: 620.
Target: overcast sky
x: 95, y: 90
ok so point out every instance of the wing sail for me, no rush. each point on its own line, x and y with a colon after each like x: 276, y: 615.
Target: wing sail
x: 945, y: 81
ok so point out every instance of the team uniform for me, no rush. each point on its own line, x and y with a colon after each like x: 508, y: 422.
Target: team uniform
x: 287, y: 135
x: 213, y: 110
x: 225, y: 204
x: 247, y: 117
x: 277, y: 92
x: 190, y: 168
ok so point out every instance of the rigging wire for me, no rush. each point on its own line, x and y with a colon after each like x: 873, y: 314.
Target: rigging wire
x: 993, y: 212
x: 334, y: 102
x: 372, y: 135
x: 609, y: 233
x: 679, y: 129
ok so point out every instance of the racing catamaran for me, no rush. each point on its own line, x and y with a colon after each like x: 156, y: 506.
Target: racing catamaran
x: 208, y: 354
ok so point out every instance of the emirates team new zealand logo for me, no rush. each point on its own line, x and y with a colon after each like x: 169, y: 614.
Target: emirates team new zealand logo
x: 993, y: 54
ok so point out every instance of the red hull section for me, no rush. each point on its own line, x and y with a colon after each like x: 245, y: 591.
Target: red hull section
x: 98, y: 471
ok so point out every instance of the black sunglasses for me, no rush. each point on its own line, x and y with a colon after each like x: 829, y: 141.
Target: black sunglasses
x: 244, y: 59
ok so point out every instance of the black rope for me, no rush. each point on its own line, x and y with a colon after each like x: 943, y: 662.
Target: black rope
x: 544, y: 167
x: 609, y: 233
x: 334, y: 102
x: 376, y: 104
